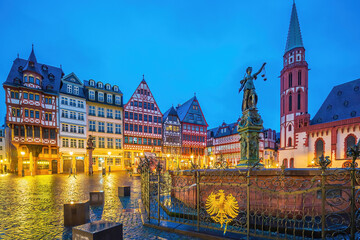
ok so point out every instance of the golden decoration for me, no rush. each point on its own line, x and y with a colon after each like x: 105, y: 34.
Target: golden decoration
x: 222, y: 209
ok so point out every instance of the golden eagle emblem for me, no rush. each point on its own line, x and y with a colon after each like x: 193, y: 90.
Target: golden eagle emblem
x: 222, y: 209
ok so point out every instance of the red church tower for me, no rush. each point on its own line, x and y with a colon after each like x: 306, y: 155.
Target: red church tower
x: 294, y: 86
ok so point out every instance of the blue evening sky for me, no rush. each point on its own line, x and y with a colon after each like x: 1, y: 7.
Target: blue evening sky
x: 184, y: 47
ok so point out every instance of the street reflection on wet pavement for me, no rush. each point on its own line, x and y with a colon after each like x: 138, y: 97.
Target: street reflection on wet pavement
x: 32, y: 207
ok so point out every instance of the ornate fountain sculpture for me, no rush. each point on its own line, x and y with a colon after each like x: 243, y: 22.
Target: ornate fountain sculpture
x: 250, y: 124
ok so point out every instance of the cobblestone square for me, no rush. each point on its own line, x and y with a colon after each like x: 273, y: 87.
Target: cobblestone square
x: 32, y: 207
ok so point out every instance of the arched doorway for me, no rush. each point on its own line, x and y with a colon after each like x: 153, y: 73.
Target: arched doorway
x: 291, y: 163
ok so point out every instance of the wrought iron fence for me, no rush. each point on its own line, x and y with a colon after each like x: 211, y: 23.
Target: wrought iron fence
x: 286, y: 204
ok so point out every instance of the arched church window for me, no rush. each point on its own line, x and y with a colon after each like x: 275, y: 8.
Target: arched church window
x: 299, y: 78
x: 289, y: 142
x: 285, y: 163
x: 290, y: 80
x: 289, y: 127
x: 290, y: 102
x: 319, y: 149
x: 298, y: 100
x: 291, y: 163
x: 350, y: 141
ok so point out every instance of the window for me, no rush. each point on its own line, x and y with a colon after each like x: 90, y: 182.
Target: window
x: 145, y: 118
x: 92, y: 110
x: 53, y: 151
x: 116, y: 88
x: 80, y: 104
x: 289, y: 127
x: 92, y: 83
x: 290, y: 80
x: 139, y: 140
x: 150, y: 129
x: 145, y: 129
x: 72, y: 115
x: 101, y: 127
x: 37, y: 132
x: 73, y: 102
x: 76, y: 90
x: 118, y: 128
x: 140, y: 104
x: 109, y: 98
x: 100, y: 96
x: 109, y: 113
x: 37, y: 114
x: 37, y: 97
x: 81, y: 129
x: 69, y: 88
x: 100, y: 85
x: 298, y: 100
x: 140, y: 117
x: 350, y: 141
x: 109, y: 161
x: 155, y: 130
x: 65, y: 142
x: 101, y: 112
x: 31, y: 113
x: 126, y: 115
x: 117, y: 161
x: 45, y: 133
x: 64, y: 100
x: 31, y: 79
x: 37, y: 81
x: 73, y: 143
x: 159, y: 130
x: 299, y: 78
x: 131, y: 115
x: 101, y: 142
x: 81, y: 143
x: 31, y: 96
x: 92, y: 125
x: 319, y: 149
x: 140, y: 128
x: 81, y: 116
x: 26, y: 95
x: 117, y: 114
x: 109, y: 128
x: 135, y: 128
x: 289, y: 142
x: 131, y: 127
x: 150, y: 118
x: 290, y: 102
x: 73, y: 128
x: 126, y: 126
x: 117, y: 100
x: 91, y: 95
x: 25, y: 79
x: 110, y: 143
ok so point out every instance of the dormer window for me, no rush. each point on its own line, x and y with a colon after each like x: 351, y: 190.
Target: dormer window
x: 118, y: 100
x: 109, y: 98
x: 31, y: 79
x: 51, y: 76
x: 37, y: 81
x: 69, y: 88
x: 76, y: 90
x: 116, y: 88
x: 108, y: 87
x: 100, y: 85
x: 92, y: 83
x: 101, y: 97
x: 25, y: 79
x: 44, y: 68
x: 20, y: 68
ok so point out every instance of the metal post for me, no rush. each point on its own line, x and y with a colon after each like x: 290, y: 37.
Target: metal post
x: 353, y: 199
x: 248, y: 205
x: 198, y: 199
x: 148, y: 194
x: 158, y: 197
x: 323, y: 202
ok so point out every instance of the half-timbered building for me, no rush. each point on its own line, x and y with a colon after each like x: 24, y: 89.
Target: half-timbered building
x: 193, y: 129
x: 72, y: 115
x: 142, y: 124
x: 31, y: 91
x: 104, y: 105
x: 172, y: 138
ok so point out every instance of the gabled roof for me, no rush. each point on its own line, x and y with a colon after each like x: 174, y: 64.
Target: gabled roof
x: 51, y: 75
x: 72, y: 78
x: 171, y: 111
x: 343, y: 102
x: 294, y: 38
x: 184, y: 109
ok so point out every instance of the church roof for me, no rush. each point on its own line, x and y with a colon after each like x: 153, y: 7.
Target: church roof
x: 294, y: 38
x: 343, y: 102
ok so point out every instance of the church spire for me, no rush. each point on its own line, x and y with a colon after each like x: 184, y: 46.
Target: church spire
x: 32, y: 64
x: 294, y: 38
x: 32, y: 57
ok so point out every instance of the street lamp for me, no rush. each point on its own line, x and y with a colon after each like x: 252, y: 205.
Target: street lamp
x: 22, y: 153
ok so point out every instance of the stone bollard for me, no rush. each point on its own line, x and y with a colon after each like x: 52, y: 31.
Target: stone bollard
x: 97, y: 198
x: 98, y: 230
x: 124, y: 191
x: 76, y: 213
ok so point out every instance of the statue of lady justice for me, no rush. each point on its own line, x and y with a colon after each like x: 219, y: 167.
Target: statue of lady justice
x: 250, y: 97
